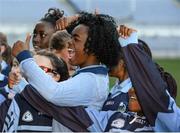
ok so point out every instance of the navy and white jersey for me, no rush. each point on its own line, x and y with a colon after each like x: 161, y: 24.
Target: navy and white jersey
x: 3, y: 95
x: 6, y: 68
x: 128, y: 122
x: 4, y: 92
x: 3, y: 111
x: 3, y: 80
x: 123, y: 120
x: 118, y: 97
x: 73, y: 119
x: 22, y: 117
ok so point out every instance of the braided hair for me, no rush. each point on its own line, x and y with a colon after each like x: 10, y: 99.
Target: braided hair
x: 52, y: 16
x: 102, y: 38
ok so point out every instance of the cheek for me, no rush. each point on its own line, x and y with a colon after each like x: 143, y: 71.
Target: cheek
x: 45, y: 43
x: 65, y: 53
x: 15, y: 70
x: 113, y: 73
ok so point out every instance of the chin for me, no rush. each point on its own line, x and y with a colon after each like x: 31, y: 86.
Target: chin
x: 72, y: 63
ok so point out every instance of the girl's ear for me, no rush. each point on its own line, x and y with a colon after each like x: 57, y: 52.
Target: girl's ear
x: 57, y: 77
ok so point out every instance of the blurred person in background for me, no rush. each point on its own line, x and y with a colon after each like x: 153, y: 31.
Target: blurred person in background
x: 59, y: 44
x: 5, y: 51
x: 3, y: 78
x: 6, y: 91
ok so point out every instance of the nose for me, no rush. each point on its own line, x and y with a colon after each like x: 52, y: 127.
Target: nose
x: 71, y: 53
x: 70, y: 44
x: 36, y: 39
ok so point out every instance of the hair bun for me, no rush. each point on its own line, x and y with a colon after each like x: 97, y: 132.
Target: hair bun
x: 54, y: 12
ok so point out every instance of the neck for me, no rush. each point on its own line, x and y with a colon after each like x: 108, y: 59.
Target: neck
x: 92, y: 60
x: 123, y: 76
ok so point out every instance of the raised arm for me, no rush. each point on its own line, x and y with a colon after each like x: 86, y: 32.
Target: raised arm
x: 150, y: 88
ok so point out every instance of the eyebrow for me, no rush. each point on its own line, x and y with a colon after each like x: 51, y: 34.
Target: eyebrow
x: 75, y: 35
x: 41, y: 31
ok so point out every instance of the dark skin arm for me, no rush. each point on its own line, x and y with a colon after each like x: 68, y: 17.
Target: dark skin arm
x: 20, y: 46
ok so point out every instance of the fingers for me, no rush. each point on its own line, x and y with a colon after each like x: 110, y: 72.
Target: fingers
x: 18, y: 47
x: 74, y: 18
x: 125, y: 31
x: 27, y: 41
x: 14, y: 48
x: 62, y: 23
x: 58, y: 24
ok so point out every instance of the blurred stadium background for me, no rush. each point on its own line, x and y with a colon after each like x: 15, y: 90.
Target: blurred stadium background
x: 158, y: 22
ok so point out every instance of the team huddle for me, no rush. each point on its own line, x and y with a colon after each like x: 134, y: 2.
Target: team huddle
x: 62, y: 84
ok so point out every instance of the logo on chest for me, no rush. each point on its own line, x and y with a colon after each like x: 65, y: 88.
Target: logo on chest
x: 122, y: 107
x: 118, y: 123
x: 27, y: 116
x: 109, y: 103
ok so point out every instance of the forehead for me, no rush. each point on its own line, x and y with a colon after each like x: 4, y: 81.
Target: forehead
x: 43, y: 26
x: 80, y: 30
x: 42, y: 60
x: 15, y: 61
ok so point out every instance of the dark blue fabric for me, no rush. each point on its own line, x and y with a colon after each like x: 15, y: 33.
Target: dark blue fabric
x: 23, y: 55
x: 117, y: 103
x: 3, y: 92
x: 147, y: 81
x: 4, y: 82
x: 75, y: 118
x: 6, y: 70
x: 127, y: 122
x: 39, y: 119
x: 96, y: 70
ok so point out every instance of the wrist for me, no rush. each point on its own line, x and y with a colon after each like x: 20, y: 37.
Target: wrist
x: 25, y: 54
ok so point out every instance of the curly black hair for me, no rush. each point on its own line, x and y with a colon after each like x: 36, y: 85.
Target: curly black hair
x: 52, y: 16
x: 102, y: 38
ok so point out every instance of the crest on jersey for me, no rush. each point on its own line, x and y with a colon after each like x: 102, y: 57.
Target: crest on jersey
x: 27, y: 116
x: 122, y: 107
x: 118, y: 123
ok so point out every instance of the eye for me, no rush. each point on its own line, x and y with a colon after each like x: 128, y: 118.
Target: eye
x: 76, y: 39
x: 43, y: 35
x: 15, y: 65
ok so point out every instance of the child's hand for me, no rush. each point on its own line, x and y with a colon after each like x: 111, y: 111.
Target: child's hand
x: 125, y: 31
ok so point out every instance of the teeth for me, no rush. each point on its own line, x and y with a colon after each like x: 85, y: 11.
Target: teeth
x: 36, y: 48
x: 71, y: 50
